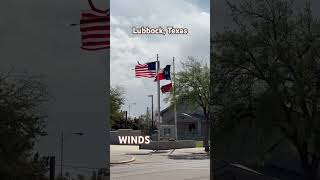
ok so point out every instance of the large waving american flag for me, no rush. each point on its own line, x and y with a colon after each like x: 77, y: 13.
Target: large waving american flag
x: 147, y: 70
x: 95, y: 29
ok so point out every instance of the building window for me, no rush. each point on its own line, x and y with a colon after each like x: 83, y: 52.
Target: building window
x: 192, y: 128
x: 166, y: 131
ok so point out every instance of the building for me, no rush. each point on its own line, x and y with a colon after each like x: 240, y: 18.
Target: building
x: 190, y: 122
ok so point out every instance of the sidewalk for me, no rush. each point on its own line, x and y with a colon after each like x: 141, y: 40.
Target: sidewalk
x: 128, y: 153
x: 188, y: 153
x: 179, y: 164
x: 120, y: 159
x: 120, y: 154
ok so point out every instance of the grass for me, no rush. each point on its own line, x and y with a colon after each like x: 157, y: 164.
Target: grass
x: 199, y: 144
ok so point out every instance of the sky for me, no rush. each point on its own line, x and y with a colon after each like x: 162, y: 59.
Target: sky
x: 128, y: 48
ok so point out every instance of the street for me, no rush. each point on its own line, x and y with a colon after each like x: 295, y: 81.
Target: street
x: 181, y: 164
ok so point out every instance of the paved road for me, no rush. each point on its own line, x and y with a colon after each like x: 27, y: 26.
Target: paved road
x: 183, y: 164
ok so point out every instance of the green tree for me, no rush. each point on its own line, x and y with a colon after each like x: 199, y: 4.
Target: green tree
x: 117, y: 100
x: 270, y: 65
x: 192, y: 86
x: 21, y: 123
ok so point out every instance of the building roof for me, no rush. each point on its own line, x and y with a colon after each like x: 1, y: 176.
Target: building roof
x: 183, y: 110
x: 165, y: 110
x: 197, y: 115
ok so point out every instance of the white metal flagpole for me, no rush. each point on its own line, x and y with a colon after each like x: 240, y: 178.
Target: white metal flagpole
x: 158, y: 69
x: 175, y: 103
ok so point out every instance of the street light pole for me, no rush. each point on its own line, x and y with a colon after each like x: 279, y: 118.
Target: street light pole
x: 151, y: 110
x: 129, y: 107
x: 147, y: 117
x: 61, y: 151
x: 61, y: 154
x: 126, y: 124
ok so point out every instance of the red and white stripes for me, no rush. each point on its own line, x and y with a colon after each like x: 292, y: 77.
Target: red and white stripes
x: 95, y: 30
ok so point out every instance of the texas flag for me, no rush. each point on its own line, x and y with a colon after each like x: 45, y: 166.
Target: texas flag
x: 166, y: 88
x: 164, y: 74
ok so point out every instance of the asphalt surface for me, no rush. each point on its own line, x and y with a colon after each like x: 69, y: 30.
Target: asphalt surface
x: 181, y: 164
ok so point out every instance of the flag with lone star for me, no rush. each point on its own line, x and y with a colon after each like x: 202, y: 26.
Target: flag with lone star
x: 164, y: 74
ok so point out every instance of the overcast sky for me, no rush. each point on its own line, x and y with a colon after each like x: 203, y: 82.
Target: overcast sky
x: 127, y: 49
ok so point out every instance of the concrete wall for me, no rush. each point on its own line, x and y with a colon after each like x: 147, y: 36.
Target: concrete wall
x: 167, y: 136
x: 122, y: 132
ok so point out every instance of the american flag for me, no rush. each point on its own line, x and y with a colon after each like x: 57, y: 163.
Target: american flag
x: 147, y: 70
x: 95, y: 29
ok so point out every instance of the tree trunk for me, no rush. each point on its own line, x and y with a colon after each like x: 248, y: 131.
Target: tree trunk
x: 310, y: 168
x: 211, y: 145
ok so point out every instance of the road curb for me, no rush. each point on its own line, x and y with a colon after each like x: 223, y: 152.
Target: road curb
x: 123, y: 162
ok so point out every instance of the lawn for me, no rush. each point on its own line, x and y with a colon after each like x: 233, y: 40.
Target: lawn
x: 199, y: 144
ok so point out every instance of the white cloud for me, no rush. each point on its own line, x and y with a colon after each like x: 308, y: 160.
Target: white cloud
x: 127, y: 49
